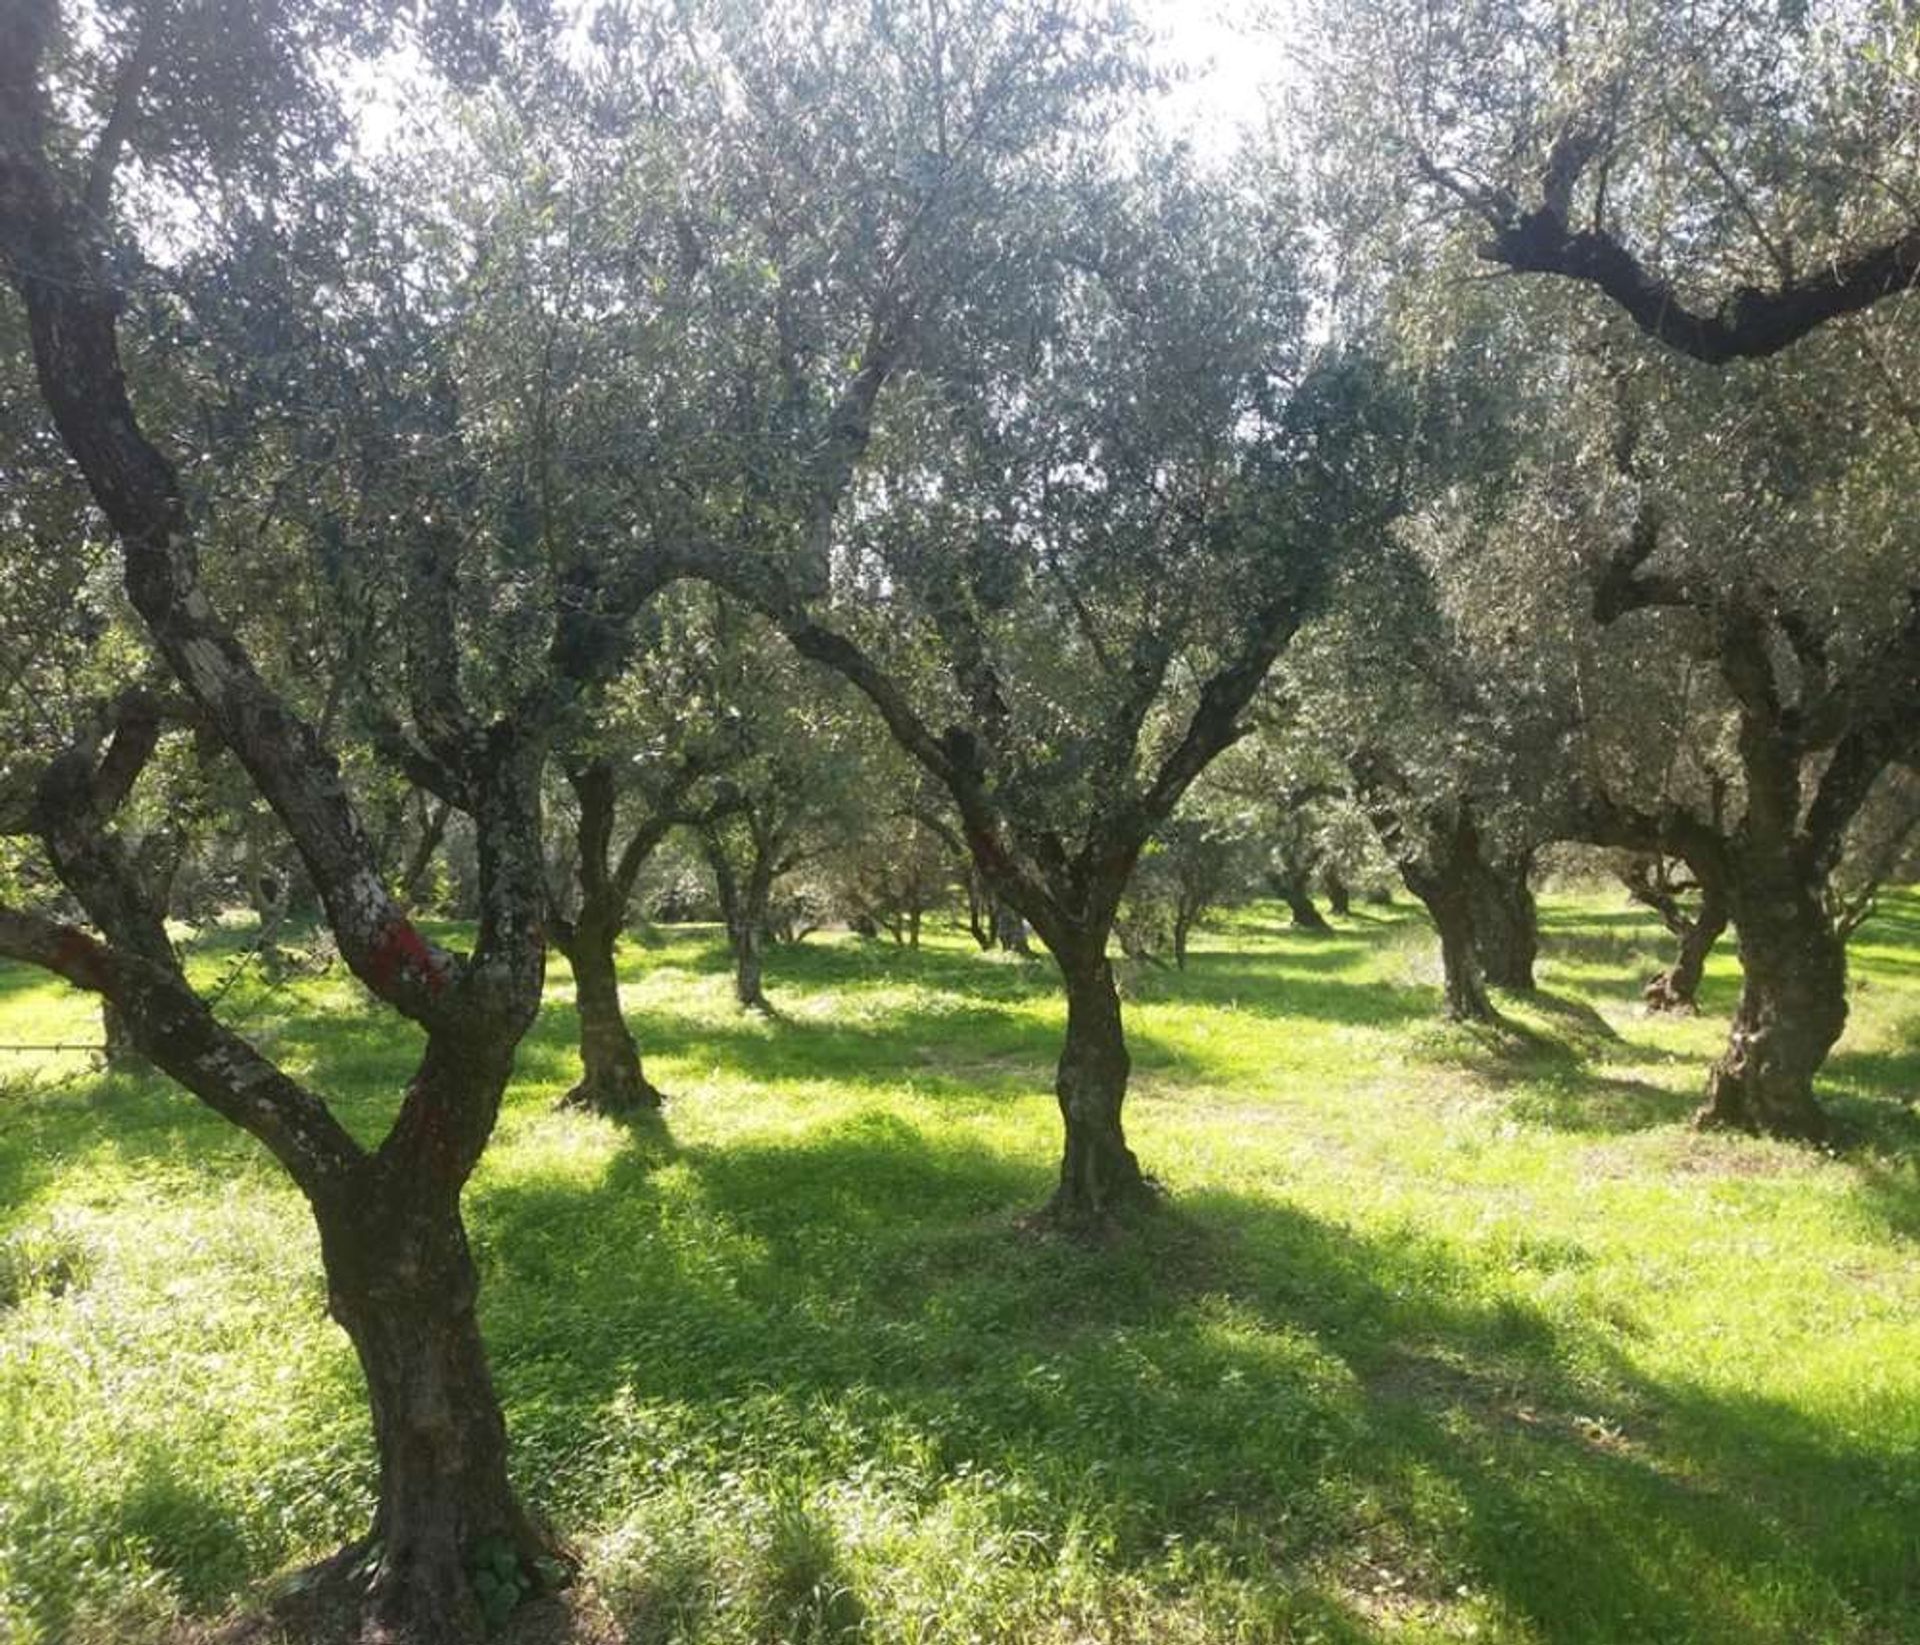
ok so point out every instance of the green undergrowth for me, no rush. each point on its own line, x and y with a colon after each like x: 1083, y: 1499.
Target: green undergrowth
x: 1443, y: 1334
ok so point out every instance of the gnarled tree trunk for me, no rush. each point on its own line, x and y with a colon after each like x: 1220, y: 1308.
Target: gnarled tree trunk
x: 1098, y: 1171
x: 450, y: 1550
x: 1292, y: 890
x: 1448, y: 899
x: 1793, y: 1007
x: 1677, y: 988
x: 1506, y: 931
x: 1339, y: 899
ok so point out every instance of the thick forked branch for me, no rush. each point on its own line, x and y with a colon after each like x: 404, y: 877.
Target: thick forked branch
x: 1216, y: 722
x: 1600, y: 819
x: 71, y: 317
x: 176, y: 1031
x: 1750, y: 324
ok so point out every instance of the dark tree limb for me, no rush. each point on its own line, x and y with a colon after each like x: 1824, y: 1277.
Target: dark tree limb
x: 1751, y: 323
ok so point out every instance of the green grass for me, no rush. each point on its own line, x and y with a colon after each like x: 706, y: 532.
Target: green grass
x: 1445, y: 1335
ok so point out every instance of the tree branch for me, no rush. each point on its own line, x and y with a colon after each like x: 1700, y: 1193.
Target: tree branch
x: 1750, y: 324
x: 71, y: 320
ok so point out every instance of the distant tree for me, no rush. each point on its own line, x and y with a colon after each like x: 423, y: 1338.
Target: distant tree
x: 794, y: 787
x: 895, y: 864
x: 1736, y: 180
x: 1197, y: 860
x: 652, y: 758
x: 1019, y: 440
x: 1133, y: 560
x: 1451, y: 750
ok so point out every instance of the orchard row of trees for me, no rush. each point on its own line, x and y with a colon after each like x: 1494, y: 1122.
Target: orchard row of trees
x: 543, y: 432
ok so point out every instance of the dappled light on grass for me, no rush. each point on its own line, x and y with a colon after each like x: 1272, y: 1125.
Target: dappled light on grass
x: 1436, y: 1338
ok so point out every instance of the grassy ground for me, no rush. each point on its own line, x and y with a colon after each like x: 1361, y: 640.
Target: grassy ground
x: 1446, y: 1335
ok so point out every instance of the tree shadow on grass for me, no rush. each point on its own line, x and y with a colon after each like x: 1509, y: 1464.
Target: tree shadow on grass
x: 1891, y: 1190
x: 1579, y: 1018
x: 1328, y: 986
x: 1510, y: 1050
x: 1596, y: 1105
x: 1325, y: 1410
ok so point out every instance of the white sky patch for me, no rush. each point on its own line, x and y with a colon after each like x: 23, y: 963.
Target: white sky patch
x: 1229, y: 63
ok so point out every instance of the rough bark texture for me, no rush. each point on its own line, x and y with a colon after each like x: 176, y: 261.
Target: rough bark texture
x: 1793, y: 1007
x: 450, y: 1549
x: 1506, y: 931
x: 1098, y: 1172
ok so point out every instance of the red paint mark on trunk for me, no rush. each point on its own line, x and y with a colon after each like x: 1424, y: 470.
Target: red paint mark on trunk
x: 399, y: 949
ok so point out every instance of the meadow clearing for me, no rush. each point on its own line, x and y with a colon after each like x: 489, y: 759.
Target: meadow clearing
x: 1443, y: 1333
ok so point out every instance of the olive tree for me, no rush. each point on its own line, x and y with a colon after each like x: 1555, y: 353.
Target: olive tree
x: 171, y: 102
x: 1077, y: 546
